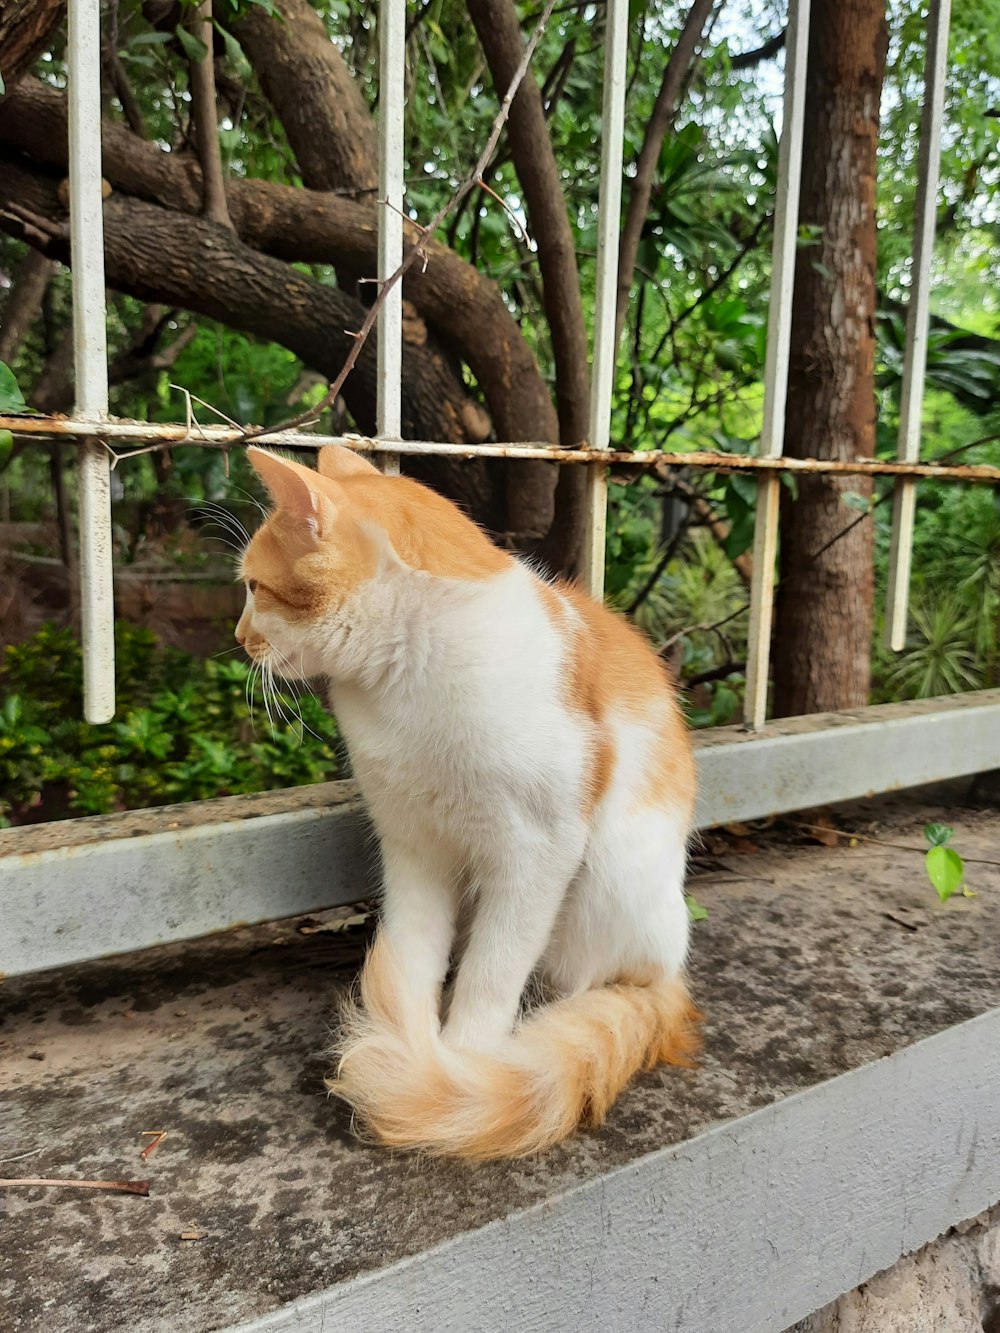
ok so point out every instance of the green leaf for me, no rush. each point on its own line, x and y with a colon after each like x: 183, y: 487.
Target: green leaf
x: 234, y: 52
x: 945, y: 870
x: 11, y: 397
x: 855, y: 501
x: 194, y: 48
x: 744, y: 486
x: 938, y: 834
x: 149, y: 38
x: 740, y: 537
x: 695, y: 910
x: 6, y: 445
x: 3, y: 86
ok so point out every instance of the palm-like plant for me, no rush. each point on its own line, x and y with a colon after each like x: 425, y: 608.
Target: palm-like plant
x: 942, y: 658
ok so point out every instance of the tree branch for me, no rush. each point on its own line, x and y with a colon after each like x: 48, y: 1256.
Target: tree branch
x: 172, y: 258
x: 24, y: 302
x: 664, y: 110
x: 115, y: 73
x: 205, y: 118
x: 318, y: 101
x: 751, y: 59
x: 499, y: 34
x: 299, y: 225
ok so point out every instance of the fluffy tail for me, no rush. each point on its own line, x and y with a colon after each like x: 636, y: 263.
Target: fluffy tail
x: 564, y: 1066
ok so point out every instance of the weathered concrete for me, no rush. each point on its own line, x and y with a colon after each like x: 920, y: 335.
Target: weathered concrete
x: 814, y: 962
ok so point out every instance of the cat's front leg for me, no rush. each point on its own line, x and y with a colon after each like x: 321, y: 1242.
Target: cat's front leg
x: 418, y: 919
x: 518, y: 895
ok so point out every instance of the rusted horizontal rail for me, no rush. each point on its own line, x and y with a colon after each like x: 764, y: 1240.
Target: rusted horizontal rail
x: 146, y: 436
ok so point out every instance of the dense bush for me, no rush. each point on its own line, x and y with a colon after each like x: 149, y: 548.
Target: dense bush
x: 183, y: 731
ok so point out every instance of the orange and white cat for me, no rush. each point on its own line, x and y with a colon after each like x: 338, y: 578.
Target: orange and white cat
x: 529, y: 773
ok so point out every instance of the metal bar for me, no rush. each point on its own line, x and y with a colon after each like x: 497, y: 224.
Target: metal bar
x: 90, y: 356
x: 63, y: 430
x: 917, y: 322
x: 602, y: 376
x: 120, y: 882
x: 391, y: 83
x: 779, y: 337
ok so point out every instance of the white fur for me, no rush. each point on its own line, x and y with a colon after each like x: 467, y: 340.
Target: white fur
x: 452, y: 698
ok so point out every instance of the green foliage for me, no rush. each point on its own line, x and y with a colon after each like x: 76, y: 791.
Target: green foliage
x: 692, y: 354
x: 945, y: 868
x: 11, y: 397
x: 183, y: 731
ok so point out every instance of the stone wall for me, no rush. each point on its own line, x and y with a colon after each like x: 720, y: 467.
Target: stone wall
x: 950, y: 1286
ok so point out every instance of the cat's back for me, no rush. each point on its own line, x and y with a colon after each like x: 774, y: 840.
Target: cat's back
x: 614, y: 664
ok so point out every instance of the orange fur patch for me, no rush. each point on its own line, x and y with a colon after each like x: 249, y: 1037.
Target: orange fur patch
x: 299, y: 573
x: 611, y: 667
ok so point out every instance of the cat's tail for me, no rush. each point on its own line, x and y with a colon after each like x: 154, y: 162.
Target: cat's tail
x: 564, y: 1065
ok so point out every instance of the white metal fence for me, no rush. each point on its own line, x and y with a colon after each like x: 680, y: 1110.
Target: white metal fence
x: 93, y: 430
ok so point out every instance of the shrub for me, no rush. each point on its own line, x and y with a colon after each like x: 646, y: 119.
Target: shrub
x: 183, y: 731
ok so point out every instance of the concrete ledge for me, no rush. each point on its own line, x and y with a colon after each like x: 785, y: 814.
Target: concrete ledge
x: 114, y: 883
x: 847, y: 1109
x: 745, y: 1229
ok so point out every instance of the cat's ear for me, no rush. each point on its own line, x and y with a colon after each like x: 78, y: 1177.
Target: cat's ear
x: 387, y: 560
x: 293, y: 489
x: 336, y: 462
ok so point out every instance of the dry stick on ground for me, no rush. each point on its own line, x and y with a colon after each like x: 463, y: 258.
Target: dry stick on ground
x: 115, y: 1186
x: 205, y: 118
x: 879, y: 842
x: 410, y: 258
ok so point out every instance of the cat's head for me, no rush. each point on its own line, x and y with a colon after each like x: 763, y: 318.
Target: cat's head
x: 332, y: 536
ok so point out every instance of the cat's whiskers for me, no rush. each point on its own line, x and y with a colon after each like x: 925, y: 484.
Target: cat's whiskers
x: 293, y: 685
x: 248, y: 691
x: 236, y: 537
x: 252, y: 498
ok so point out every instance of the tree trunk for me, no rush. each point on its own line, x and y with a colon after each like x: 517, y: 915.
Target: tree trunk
x: 823, y: 619
x: 25, y: 29
x: 318, y: 101
x: 333, y: 136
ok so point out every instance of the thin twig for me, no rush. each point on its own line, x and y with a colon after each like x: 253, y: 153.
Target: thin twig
x: 474, y: 178
x: 668, y: 553
x: 703, y: 629
x: 880, y: 842
x: 116, y: 1186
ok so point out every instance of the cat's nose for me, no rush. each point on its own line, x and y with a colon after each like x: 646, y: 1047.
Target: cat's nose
x: 241, y: 638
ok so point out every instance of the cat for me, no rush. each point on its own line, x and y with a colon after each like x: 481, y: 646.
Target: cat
x: 530, y: 776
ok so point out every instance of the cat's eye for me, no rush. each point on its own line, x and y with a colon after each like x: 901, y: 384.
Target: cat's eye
x: 252, y: 585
